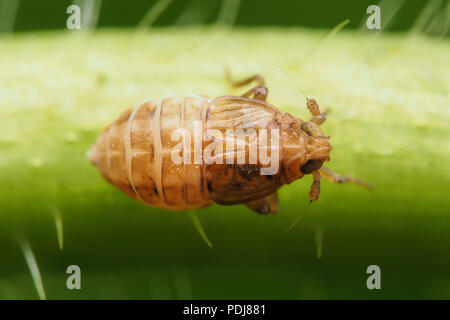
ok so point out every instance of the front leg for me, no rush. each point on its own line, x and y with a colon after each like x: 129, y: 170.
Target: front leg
x: 313, y: 107
x: 314, y: 193
x: 312, y: 127
x: 337, y: 178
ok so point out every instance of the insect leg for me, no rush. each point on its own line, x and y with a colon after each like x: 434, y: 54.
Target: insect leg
x: 258, y: 93
x: 239, y: 83
x: 313, y: 107
x: 265, y: 205
x: 315, y: 187
x: 337, y: 178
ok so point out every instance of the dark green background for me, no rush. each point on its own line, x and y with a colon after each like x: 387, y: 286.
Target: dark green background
x: 314, y: 14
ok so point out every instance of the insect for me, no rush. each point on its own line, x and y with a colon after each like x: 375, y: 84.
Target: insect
x: 134, y: 153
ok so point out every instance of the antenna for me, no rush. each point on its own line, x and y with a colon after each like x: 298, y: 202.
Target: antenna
x: 299, y: 87
x: 298, y: 218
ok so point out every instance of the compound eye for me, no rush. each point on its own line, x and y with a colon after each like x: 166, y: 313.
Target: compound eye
x: 310, y: 166
x: 307, y: 127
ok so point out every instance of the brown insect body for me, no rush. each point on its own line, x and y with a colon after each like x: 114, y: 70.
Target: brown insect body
x: 134, y: 153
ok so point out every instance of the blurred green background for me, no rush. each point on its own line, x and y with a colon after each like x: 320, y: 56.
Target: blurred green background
x: 32, y: 15
x: 388, y: 92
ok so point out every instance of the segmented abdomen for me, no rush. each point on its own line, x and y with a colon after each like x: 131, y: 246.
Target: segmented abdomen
x: 134, y: 154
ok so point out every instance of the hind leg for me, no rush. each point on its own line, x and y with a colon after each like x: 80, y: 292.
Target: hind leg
x: 267, y: 205
x: 239, y: 83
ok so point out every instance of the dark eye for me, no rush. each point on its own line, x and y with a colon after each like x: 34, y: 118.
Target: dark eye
x: 307, y: 127
x: 310, y: 166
